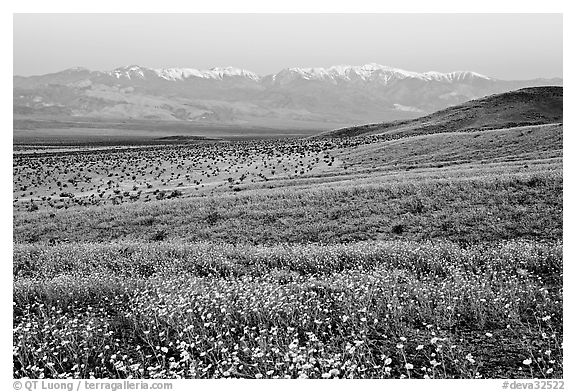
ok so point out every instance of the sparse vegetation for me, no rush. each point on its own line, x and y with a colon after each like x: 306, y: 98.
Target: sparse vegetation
x: 463, y: 210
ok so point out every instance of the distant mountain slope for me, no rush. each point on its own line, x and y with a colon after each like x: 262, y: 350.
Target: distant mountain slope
x: 326, y: 97
x: 528, y: 106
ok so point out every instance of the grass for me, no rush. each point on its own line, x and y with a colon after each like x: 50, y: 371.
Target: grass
x: 462, y: 210
x: 445, y: 149
x: 370, y: 309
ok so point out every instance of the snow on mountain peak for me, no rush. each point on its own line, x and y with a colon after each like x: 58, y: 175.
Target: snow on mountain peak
x: 453, y: 76
x: 371, y: 72
x: 233, y: 71
x: 213, y: 73
x: 178, y: 73
x: 368, y: 72
x: 129, y: 72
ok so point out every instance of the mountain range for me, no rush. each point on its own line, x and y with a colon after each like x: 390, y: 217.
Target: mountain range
x: 294, y: 97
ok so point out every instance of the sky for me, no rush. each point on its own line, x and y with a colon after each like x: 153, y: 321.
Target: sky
x: 505, y: 46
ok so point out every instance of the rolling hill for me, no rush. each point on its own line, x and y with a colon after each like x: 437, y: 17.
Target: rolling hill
x: 528, y: 106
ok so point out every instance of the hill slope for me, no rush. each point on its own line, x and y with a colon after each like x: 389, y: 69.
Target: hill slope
x: 528, y: 106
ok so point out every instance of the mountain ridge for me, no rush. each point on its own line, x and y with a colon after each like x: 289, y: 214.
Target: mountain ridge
x: 343, y: 71
x: 341, y: 94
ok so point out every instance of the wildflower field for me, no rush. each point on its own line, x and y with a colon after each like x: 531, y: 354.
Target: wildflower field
x: 450, y: 271
x: 371, y: 309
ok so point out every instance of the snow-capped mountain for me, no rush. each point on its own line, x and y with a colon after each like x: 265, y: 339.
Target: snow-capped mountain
x: 173, y: 74
x: 373, y: 73
x: 367, y: 73
x: 342, y: 94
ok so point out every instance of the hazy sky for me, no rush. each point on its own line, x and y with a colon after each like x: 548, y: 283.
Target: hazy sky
x: 506, y: 46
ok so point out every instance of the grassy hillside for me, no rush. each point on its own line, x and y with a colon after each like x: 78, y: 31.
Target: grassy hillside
x: 465, y: 210
x: 464, y: 187
x: 528, y: 106
x: 529, y: 143
x: 433, y: 253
